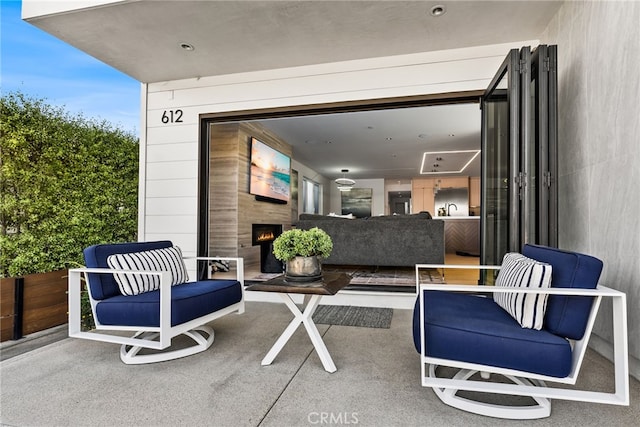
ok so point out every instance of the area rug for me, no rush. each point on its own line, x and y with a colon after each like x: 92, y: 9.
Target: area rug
x: 348, y: 315
x: 393, y: 276
x: 363, y: 275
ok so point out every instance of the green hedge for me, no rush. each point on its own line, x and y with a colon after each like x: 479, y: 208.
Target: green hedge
x: 66, y: 182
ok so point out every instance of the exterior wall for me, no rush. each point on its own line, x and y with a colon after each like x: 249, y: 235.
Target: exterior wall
x: 169, y: 150
x: 599, y: 148
x: 36, y: 8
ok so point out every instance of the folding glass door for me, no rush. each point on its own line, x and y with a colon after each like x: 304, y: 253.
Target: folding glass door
x: 519, y: 168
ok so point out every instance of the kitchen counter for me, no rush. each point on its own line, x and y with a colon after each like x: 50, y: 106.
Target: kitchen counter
x: 461, y: 234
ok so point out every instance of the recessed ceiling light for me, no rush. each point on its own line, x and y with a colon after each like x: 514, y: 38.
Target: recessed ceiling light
x: 438, y: 10
x: 187, y: 46
x: 456, y: 161
x: 389, y: 139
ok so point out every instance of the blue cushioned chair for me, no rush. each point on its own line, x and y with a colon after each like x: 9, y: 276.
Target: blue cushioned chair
x: 458, y: 326
x: 157, y: 316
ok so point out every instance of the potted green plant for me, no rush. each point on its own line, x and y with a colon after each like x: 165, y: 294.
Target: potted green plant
x: 301, y: 251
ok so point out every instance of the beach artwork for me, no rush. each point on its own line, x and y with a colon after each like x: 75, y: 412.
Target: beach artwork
x: 270, y: 172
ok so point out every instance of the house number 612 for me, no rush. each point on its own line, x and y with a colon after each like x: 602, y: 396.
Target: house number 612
x: 172, y: 116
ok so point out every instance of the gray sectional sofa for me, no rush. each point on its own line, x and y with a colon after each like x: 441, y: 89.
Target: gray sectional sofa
x: 391, y: 240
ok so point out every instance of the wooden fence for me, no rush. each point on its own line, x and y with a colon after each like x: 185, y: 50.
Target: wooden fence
x: 32, y: 303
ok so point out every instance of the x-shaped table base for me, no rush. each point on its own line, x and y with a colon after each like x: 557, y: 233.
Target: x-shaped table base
x: 303, y: 317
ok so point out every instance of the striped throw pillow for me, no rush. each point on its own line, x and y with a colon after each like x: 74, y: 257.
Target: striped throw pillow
x: 168, y: 259
x: 518, y: 271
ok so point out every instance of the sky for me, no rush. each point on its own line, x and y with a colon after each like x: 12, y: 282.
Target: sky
x: 43, y: 67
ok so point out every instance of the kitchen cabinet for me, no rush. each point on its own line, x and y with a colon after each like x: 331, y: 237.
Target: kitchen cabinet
x: 474, y: 195
x: 423, y: 192
x: 422, y: 196
x: 455, y: 182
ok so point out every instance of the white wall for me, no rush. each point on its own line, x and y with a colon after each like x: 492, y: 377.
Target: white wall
x: 306, y: 172
x: 37, y: 8
x: 395, y: 185
x: 599, y: 148
x: 377, y: 196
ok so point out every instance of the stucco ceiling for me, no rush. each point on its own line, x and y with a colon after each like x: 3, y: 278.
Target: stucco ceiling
x: 143, y: 39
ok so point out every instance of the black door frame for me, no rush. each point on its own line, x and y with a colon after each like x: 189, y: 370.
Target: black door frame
x: 206, y: 120
x: 532, y: 145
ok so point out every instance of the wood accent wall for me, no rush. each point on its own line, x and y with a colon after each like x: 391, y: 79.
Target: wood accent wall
x: 232, y: 210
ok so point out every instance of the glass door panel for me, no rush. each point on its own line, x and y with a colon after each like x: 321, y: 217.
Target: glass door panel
x: 519, y: 167
x: 543, y: 165
x: 525, y: 176
x: 499, y: 161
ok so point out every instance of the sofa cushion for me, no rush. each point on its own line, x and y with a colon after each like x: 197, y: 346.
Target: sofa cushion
x: 188, y: 301
x: 518, y: 271
x: 567, y: 316
x: 104, y: 285
x: 391, y: 242
x: 165, y: 259
x: 475, y: 329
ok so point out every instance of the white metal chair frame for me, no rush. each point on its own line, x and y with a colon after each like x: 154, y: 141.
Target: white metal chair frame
x: 526, y: 383
x: 155, y: 338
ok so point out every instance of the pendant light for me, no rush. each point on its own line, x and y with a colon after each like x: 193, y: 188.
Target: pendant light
x: 344, y: 183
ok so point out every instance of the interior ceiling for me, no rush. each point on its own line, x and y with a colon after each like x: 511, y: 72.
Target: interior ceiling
x: 143, y: 40
x: 384, y: 143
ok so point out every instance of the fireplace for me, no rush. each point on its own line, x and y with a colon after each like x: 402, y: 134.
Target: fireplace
x: 264, y: 235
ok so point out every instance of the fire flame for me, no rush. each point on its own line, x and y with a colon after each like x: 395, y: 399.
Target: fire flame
x: 266, y: 236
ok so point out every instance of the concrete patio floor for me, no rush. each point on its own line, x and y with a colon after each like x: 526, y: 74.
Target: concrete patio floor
x: 81, y: 383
